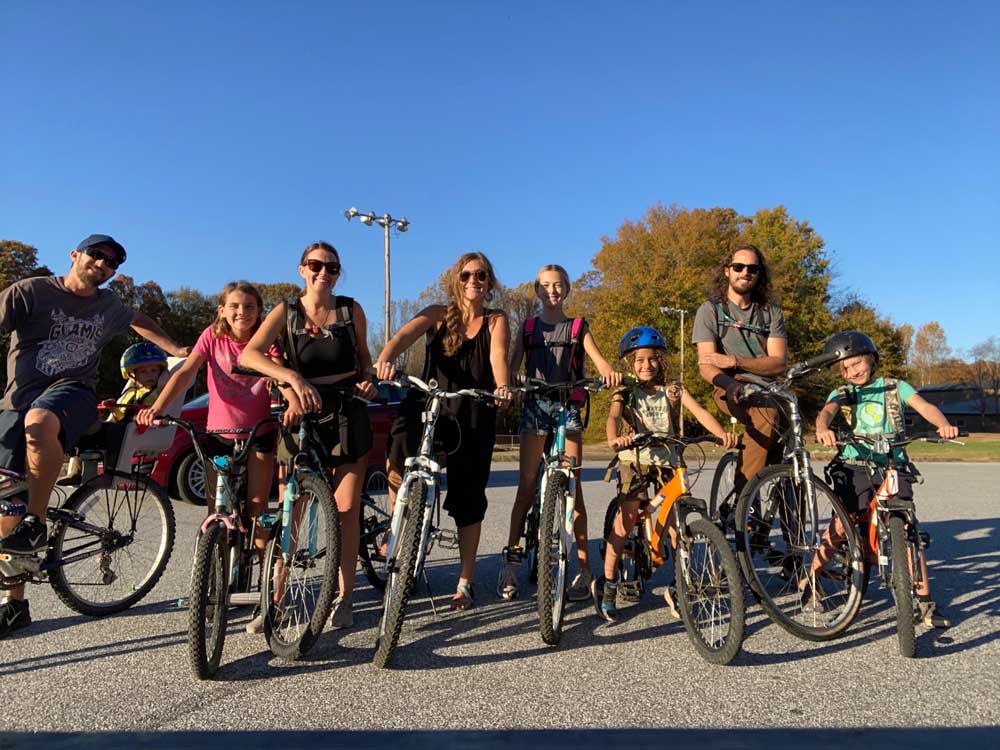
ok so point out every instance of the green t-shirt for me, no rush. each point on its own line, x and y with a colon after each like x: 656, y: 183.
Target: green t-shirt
x: 871, y: 416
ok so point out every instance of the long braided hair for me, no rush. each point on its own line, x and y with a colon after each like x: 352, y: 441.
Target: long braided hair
x: 457, y: 312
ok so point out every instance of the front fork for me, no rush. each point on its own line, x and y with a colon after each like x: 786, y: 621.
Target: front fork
x: 568, y: 500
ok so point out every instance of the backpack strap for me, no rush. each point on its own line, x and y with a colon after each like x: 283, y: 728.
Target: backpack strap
x: 576, y: 358
x: 293, y: 326
x: 528, y: 335
x: 893, y: 406
x: 723, y: 320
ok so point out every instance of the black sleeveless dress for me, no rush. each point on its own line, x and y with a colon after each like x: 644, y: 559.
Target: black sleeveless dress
x: 466, y: 428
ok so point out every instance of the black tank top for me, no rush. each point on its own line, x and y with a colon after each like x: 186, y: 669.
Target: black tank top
x: 469, y: 367
x: 328, y: 353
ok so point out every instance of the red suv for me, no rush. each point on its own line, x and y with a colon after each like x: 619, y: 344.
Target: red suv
x: 179, y: 470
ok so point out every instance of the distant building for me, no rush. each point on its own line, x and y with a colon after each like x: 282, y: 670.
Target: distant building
x: 968, y: 406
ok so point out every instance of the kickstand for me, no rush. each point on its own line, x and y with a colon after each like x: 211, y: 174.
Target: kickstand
x: 430, y: 593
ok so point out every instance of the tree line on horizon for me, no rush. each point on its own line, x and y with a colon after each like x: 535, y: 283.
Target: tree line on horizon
x: 669, y: 257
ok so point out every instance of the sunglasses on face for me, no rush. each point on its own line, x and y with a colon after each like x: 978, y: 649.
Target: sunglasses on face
x: 111, y: 261
x: 752, y: 268
x: 480, y: 275
x: 332, y: 268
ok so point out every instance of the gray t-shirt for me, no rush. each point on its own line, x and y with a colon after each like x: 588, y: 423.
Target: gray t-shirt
x: 551, y: 356
x: 726, y: 330
x: 55, y: 336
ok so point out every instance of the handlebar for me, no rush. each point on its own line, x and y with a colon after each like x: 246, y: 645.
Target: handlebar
x: 431, y: 388
x: 644, y: 438
x: 879, y: 441
x: 536, y: 385
x: 193, y: 432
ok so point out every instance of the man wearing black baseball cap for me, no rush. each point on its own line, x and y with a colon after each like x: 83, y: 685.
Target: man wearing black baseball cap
x: 57, y: 326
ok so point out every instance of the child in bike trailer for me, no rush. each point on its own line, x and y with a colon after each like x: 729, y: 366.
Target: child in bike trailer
x: 651, y: 404
x: 234, y: 401
x: 142, y: 366
x: 871, y: 405
x: 553, y: 348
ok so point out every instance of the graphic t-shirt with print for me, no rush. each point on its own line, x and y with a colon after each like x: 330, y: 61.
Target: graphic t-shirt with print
x: 870, y: 415
x: 55, y: 336
x: 239, y: 401
x: 647, y: 412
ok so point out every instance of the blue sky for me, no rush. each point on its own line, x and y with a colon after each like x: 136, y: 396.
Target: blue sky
x: 216, y: 140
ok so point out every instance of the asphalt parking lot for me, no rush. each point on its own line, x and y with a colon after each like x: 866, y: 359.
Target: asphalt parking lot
x: 487, y: 669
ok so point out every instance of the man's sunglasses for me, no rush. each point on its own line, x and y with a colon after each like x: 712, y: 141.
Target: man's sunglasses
x: 332, y: 268
x: 752, y: 268
x: 111, y: 261
x: 480, y: 275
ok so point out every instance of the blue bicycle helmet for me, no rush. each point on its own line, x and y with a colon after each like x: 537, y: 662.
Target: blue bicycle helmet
x: 140, y: 354
x: 641, y: 337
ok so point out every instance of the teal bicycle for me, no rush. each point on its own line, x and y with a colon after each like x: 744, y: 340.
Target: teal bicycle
x: 547, y: 549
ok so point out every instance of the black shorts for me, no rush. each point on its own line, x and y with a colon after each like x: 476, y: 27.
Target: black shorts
x: 218, y: 445
x: 345, y: 439
x: 855, y: 489
x: 74, y: 404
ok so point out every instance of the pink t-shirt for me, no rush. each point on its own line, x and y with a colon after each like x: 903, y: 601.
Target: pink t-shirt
x: 238, y: 401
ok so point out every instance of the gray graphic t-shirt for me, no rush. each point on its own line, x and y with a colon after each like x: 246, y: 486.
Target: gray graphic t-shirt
x: 551, y: 357
x: 734, y: 338
x: 55, y: 336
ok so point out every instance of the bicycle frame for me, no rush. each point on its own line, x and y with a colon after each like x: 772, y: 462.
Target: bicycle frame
x: 558, y: 462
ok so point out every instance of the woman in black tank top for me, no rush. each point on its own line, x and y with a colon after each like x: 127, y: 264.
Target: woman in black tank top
x: 323, y: 338
x: 467, y: 348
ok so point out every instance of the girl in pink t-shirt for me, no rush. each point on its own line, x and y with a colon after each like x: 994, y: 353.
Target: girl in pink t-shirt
x: 234, y: 401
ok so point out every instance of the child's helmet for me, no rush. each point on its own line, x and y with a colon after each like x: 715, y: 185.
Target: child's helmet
x: 850, y: 344
x: 143, y: 353
x: 641, y: 337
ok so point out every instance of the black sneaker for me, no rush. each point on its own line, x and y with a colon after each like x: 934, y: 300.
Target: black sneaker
x: 14, y: 615
x: 29, y: 538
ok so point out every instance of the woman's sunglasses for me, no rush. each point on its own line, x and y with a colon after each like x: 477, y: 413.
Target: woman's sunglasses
x: 752, y: 268
x: 332, y: 268
x: 111, y: 261
x: 480, y: 275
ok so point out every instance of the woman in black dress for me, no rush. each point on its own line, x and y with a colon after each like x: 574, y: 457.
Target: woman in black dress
x: 467, y: 348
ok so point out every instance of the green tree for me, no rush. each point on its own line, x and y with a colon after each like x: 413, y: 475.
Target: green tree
x: 273, y: 294
x: 19, y: 261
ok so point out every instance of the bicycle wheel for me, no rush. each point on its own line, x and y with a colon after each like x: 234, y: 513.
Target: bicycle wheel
x: 375, y: 519
x: 552, y: 555
x: 299, y: 585
x: 778, y: 535
x: 710, y: 592
x: 902, y: 586
x: 208, y: 615
x: 117, y: 548
x: 402, y: 574
x: 631, y: 567
x: 723, y: 493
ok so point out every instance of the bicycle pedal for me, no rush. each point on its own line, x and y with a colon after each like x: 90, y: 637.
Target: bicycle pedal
x: 446, y: 538
x: 925, y: 539
x: 244, y: 598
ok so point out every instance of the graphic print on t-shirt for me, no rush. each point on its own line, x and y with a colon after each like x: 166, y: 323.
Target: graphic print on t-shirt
x: 870, y: 416
x: 71, y: 343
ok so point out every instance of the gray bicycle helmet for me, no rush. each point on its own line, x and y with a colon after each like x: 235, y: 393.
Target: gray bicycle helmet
x: 850, y: 344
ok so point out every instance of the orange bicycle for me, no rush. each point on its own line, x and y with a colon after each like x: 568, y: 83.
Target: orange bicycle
x: 889, y: 531
x: 706, y: 574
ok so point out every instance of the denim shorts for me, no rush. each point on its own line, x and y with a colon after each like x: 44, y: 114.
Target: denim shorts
x: 73, y: 403
x: 541, y: 417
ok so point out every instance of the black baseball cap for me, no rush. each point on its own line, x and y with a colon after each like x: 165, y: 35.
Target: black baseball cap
x: 103, y: 239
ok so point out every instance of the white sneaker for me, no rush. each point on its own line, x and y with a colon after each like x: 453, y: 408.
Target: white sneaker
x: 579, y: 589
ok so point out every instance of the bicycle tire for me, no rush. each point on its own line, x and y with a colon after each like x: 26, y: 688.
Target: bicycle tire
x: 552, y: 554
x: 723, y: 486
x: 402, y: 575
x: 373, y: 527
x: 292, y: 625
x: 773, y: 532
x: 138, y: 511
x: 902, y: 586
x: 710, y: 592
x: 209, y: 613
x: 630, y: 575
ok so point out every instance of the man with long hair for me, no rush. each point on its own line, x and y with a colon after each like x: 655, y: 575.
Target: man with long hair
x: 739, y: 330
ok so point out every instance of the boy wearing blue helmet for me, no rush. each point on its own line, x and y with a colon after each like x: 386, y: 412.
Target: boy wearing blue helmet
x: 650, y: 404
x: 142, y: 365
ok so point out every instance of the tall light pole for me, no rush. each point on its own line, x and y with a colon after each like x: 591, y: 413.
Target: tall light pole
x: 681, y: 312
x: 386, y: 222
